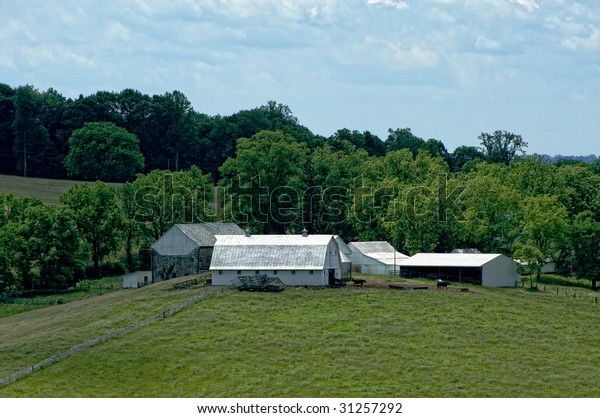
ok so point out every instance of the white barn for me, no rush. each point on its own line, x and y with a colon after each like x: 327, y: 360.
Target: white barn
x: 494, y: 270
x: 297, y: 260
x: 375, y: 257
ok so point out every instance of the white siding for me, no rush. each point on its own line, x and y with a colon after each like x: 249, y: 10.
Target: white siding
x: 500, y: 272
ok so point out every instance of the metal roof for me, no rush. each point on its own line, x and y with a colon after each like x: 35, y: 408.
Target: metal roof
x: 379, y: 250
x: 270, y: 252
x: 181, y: 239
x: 449, y: 260
x: 342, y: 245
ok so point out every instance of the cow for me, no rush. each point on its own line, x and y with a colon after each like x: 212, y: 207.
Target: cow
x: 442, y: 283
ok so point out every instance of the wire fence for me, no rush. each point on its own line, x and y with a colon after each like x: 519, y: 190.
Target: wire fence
x: 107, y: 337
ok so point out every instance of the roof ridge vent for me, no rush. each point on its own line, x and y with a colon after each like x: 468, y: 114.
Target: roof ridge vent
x: 247, y: 232
x: 304, y: 232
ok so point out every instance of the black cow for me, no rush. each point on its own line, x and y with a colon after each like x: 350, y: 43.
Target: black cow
x: 442, y: 283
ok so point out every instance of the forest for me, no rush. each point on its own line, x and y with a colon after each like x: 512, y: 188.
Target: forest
x: 265, y: 171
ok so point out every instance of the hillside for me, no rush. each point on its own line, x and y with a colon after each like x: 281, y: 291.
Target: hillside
x: 311, y: 343
x: 47, y: 190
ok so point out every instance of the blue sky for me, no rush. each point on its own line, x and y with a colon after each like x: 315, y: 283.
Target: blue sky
x: 447, y: 69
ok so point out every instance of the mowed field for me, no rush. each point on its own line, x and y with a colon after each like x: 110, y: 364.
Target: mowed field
x: 347, y: 342
x: 47, y: 190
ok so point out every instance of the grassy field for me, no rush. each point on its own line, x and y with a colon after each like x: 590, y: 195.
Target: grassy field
x: 47, y: 190
x: 313, y: 343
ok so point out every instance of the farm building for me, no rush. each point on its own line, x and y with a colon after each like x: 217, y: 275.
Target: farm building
x: 137, y: 279
x: 297, y: 260
x: 344, y: 255
x: 375, y: 257
x: 187, y: 249
x: 484, y: 269
x: 548, y: 267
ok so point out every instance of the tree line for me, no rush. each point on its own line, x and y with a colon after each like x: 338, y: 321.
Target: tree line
x: 111, y: 136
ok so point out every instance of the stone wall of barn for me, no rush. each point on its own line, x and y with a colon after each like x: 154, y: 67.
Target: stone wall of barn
x: 170, y: 266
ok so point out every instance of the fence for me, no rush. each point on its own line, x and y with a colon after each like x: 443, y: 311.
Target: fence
x: 106, y: 337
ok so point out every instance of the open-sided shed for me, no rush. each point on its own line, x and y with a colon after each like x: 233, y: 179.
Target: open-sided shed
x: 484, y: 269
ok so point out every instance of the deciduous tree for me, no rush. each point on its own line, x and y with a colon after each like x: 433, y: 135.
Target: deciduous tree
x: 98, y: 218
x: 501, y: 146
x: 103, y: 151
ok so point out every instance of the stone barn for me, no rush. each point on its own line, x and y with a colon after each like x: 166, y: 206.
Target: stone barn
x: 187, y: 249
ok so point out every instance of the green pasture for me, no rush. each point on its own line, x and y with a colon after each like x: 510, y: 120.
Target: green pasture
x: 347, y: 342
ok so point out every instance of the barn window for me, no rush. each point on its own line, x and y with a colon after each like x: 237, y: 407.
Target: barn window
x: 256, y: 271
x: 311, y: 272
x: 220, y: 272
x: 239, y: 272
x: 293, y: 271
x: 274, y: 271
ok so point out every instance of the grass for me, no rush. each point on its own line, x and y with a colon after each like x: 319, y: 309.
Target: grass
x: 82, y: 290
x: 30, y: 337
x: 313, y: 343
x: 46, y: 190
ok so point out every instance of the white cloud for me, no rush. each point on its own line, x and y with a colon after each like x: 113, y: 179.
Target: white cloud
x: 117, y: 32
x: 591, y: 42
x: 485, y: 43
x: 16, y: 29
x: 400, y: 56
x: 398, y: 4
x: 530, y: 5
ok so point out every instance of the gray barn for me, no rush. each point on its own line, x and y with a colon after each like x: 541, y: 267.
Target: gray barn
x: 186, y: 249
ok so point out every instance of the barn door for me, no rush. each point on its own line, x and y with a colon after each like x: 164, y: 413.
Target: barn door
x: 331, y: 277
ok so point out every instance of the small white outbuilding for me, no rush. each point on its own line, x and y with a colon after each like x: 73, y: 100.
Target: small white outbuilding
x: 494, y: 270
x: 375, y: 257
x: 297, y: 260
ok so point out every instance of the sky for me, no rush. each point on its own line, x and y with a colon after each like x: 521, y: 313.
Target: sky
x: 446, y: 69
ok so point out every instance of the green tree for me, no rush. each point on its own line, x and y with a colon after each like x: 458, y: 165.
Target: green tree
x: 162, y: 198
x: 174, y: 127
x: 501, y: 146
x: 32, y: 143
x: 583, y: 248
x: 543, y: 227
x: 98, y: 218
x: 492, y: 211
x: 465, y: 158
x: 53, y: 246
x: 7, y: 133
x: 527, y: 256
x: 403, y: 138
x: 265, y: 181
x: 103, y: 151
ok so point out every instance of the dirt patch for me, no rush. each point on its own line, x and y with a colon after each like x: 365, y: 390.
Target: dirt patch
x: 407, y: 285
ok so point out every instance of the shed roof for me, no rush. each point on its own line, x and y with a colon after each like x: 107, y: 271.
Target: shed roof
x: 449, y: 260
x: 270, y: 252
x: 342, y: 245
x: 180, y: 239
x: 381, y: 251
